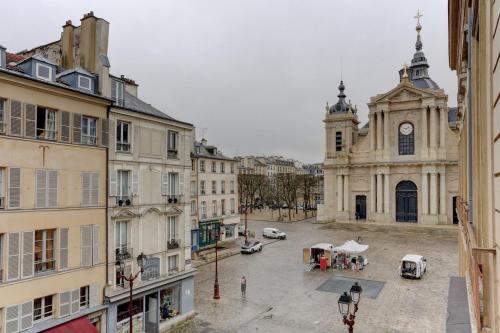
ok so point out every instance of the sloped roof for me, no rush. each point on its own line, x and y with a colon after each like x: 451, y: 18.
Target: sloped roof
x: 78, y: 69
x: 135, y: 104
x: 201, y: 150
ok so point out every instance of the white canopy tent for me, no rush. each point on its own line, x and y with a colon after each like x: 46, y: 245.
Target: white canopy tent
x: 351, y: 247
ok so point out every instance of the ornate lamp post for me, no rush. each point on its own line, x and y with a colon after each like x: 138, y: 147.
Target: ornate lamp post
x: 120, y: 264
x: 216, y: 282
x: 345, y: 308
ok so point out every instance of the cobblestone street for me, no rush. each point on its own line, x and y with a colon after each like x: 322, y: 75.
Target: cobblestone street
x: 282, y: 297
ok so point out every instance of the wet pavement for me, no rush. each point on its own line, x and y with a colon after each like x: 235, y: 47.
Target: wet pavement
x: 283, y: 297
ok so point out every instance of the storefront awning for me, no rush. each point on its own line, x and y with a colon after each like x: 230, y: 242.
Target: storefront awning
x: 80, y: 325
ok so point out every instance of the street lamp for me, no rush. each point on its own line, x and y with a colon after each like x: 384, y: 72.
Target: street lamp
x: 120, y: 265
x: 216, y: 282
x: 345, y: 309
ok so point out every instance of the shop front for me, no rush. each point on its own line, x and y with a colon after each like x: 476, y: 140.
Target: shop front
x: 208, y: 231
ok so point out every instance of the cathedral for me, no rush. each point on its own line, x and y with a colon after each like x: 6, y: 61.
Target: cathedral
x: 402, y: 166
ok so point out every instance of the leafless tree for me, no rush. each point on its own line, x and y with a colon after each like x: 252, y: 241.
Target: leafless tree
x: 287, y: 184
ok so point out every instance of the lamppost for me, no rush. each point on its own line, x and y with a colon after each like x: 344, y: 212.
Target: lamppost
x: 120, y: 264
x: 345, y: 308
x: 216, y: 282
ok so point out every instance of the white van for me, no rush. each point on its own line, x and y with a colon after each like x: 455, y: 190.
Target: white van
x: 273, y: 233
x: 413, y: 266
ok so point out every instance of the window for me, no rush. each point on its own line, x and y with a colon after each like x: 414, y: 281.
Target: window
x: 122, y: 136
x: 117, y: 88
x: 2, y: 116
x: 42, y: 308
x: 406, y: 139
x: 121, y: 239
x: 229, y: 231
x: 84, y: 82
x: 84, y: 297
x: 45, y: 124
x: 231, y: 186
x: 202, y: 187
x: 123, y: 185
x: 222, y: 187
x: 172, y: 228
x: 169, y: 299
x: 173, y: 183
x: 43, y: 72
x: 232, y: 167
x: 214, y: 187
x: 172, y: 143
x: 202, y: 166
x: 233, y: 206
x: 44, y: 250
x: 223, y: 207
x: 193, y: 188
x: 1, y: 256
x: 193, y: 207
x: 172, y: 263
x: 222, y: 167
x: 214, y: 208
x: 203, y: 210
x: 90, y: 189
x: 338, y: 141
x: 2, y: 188
x: 214, y: 167
x: 46, y: 188
x: 89, y: 130
x: 193, y: 165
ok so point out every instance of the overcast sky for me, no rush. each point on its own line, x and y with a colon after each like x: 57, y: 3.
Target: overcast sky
x: 255, y: 73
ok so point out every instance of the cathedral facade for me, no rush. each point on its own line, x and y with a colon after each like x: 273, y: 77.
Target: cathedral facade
x: 402, y: 165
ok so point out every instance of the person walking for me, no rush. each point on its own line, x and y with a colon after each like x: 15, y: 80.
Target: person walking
x: 243, y: 286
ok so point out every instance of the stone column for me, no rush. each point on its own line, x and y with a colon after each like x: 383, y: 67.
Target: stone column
x: 386, y: 130
x: 442, y: 130
x: 433, y: 129
x: 379, y: 193
x: 340, y: 193
x: 386, y: 193
x: 379, y: 130
x: 442, y: 193
x: 373, y: 193
x: 425, y: 194
x: 346, y: 193
x: 433, y: 201
x: 372, y: 128
x: 424, y: 129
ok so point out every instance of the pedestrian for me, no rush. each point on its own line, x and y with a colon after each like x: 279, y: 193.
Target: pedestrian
x: 243, y: 286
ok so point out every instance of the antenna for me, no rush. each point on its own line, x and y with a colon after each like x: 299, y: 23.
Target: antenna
x: 341, y: 68
x: 203, y: 130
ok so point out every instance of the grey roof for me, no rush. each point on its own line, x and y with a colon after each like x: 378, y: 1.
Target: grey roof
x: 341, y: 105
x: 425, y: 83
x: 78, y: 69
x: 39, y: 58
x: 201, y: 150
x: 452, y: 114
x: 135, y: 104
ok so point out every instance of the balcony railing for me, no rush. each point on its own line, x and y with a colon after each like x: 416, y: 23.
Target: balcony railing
x: 124, y: 252
x: 173, y: 243
x: 172, y: 153
x: 174, y: 199
x: 123, y: 147
x: 124, y: 200
x: 45, y: 134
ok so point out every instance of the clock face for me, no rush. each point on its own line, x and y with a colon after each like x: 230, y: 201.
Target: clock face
x: 406, y: 129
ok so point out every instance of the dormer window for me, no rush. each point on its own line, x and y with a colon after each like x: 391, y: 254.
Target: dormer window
x: 117, y: 88
x: 84, y: 82
x: 43, y: 72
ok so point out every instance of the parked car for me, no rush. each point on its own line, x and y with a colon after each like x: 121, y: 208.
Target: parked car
x: 251, y: 247
x: 273, y: 233
x: 413, y: 266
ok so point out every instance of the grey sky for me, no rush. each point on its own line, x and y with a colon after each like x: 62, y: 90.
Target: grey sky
x: 256, y: 73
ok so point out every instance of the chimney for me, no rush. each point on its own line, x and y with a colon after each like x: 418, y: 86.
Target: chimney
x: 3, y: 57
x: 67, y: 39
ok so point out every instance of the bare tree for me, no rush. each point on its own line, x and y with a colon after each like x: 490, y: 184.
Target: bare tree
x: 287, y: 185
x: 307, y: 185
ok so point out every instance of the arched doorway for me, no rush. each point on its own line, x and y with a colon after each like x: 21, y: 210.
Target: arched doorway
x: 406, y: 201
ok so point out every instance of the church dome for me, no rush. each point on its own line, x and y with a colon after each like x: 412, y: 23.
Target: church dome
x: 341, y: 105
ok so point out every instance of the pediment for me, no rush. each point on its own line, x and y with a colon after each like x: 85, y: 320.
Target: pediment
x: 124, y: 213
x: 151, y: 210
x: 173, y: 210
x: 403, y: 92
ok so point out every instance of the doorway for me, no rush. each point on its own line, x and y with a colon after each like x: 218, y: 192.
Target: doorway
x: 406, y: 202
x: 151, y: 311
x: 361, y: 207
x: 455, y: 213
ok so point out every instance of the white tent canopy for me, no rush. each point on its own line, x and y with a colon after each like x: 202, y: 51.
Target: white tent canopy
x: 351, y: 247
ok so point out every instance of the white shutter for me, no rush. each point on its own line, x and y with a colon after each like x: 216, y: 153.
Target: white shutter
x: 93, y: 295
x: 14, y: 245
x: 85, y: 189
x: 180, y: 190
x: 95, y: 244
x: 135, y: 182
x: 94, y: 189
x: 28, y: 245
x: 75, y: 301
x: 164, y: 183
x: 1, y: 182
x: 41, y: 188
x: 12, y: 319
x: 112, y: 134
x: 26, y: 315
x: 64, y: 304
x: 52, y: 188
x: 112, y: 182
x: 63, y: 248
x: 14, y: 188
x: 86, y: 245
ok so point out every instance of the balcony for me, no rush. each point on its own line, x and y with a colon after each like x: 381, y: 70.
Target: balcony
x: 45, y: 134
x: 123, y: 147
x: 173, y: 244
x: 124, y: 252
x: 174, y: 199
x: 124, y: 200
x: 172, y: 153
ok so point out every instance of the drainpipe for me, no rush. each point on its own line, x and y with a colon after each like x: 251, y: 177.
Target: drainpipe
x: 107, y: 196
x: 469, y: 111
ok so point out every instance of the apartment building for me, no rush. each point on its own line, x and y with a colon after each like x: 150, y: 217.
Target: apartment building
x: 214, y: 196
x: 53, y: 139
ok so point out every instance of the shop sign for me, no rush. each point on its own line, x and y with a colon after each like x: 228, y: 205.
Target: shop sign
x: 151, y: 269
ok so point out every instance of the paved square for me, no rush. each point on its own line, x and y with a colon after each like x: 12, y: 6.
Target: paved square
x: 339, y: 284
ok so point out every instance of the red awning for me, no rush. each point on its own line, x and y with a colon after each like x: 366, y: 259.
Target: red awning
x: 80, y: 325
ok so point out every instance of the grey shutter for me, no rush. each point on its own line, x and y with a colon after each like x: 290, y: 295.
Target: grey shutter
x: 85, y: 189
x: 86, y: 245
x: 164, y: 183
x: 94, y: 295
x: 52, y: 188
x: 113, y: 90
x: 30, y: 121
x: 16, y: 118
x: 135, y: 182
x: 104, y: 132
x: 95, y: 244
x: 75, y: 301
x: 41, y: 188
x: 63, y: 248
x: 12, y: 319
x: 13, y: 266
x: 64, y: 304
x: 65, y: 126
x: 94, y: 189
x: 14, y: 188
x: 112, y: 134
x: 2, y: 175
x: 28, y: 245
x: 112, y: 182
x: 26, y: 315
x: 77, y: 128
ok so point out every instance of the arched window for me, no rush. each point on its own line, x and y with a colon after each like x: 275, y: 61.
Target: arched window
x: 406, y: 139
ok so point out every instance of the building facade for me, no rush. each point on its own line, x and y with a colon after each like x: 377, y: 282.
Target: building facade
x: 214, y: 196
x: 473, y: 53
x: 402, y: 165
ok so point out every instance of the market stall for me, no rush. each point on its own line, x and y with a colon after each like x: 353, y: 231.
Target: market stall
x: 349, y: 256
x: 312, y: 255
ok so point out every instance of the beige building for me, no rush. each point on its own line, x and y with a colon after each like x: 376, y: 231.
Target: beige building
x: 402, y: 165
x: 473, y: 53
x: 53, y: 138
x: 214, y: 196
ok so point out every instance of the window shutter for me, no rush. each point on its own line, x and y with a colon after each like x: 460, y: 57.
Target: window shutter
x: 93, y: 295
x: 14, y: 245
x: 104, y: 132
x: 52, y: 188
x: 28, y: 245
x: 41, y: 188
x: 113, y: 90
x: 63, y: 248
x: 180, y: 190
x: 30, y: 121
x: 2, y: 174
x: 65, y: 126
x: 75, y: 301
x: 95, y: 244
x: 12, y: 319
x: 112, y: 182
x: 64, y: 304
x: 112, y: 134
x: 14, y: 188
x: 16, y: 118
x: 164, y: 183
x: 77, y: 128
x: 135, y: 182
x: 94, y: 189
x: 26, y: 315
x: 86, y: 245
x: 86, y: 189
